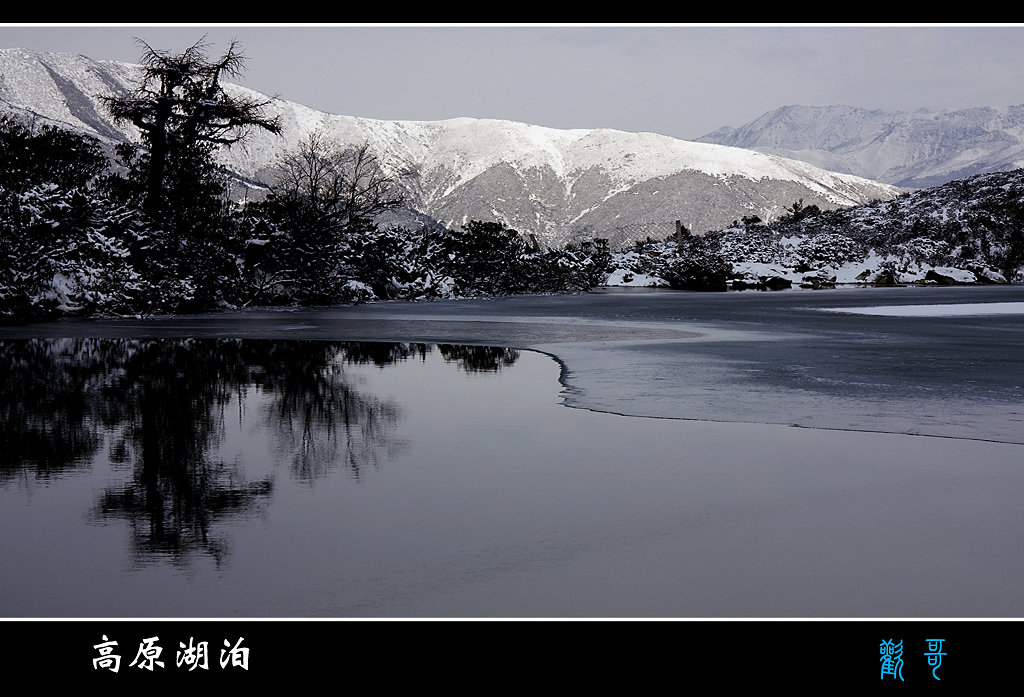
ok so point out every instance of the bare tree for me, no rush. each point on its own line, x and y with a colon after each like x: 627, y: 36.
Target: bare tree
x: 340, y: 184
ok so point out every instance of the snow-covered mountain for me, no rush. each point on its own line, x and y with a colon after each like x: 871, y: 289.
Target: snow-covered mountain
x: 910, y: 150
x: 557, y: 184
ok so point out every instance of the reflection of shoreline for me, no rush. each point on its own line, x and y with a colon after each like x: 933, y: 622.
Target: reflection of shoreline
x: 479, y: 359
x: 157, y: 408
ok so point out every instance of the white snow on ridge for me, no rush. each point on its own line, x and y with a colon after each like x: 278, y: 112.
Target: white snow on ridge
x: 444, y: 155
x: 950, y: 310
x: 471, y: 146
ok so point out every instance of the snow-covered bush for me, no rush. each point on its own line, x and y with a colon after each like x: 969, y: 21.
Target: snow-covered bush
x: 66, y: 252
x: 698, y: 265
x: 924, y: 249
x: 827, y: 249
x: 750, y: 244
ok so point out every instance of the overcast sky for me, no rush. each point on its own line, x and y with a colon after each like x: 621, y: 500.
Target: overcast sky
x: 678, y: 80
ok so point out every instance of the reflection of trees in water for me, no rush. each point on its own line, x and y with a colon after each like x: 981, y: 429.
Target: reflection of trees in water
x: 175, y: 399
x: 45, y: 411
x: 166, y: 402
x: 479, y: 359
x: 322, y: 422
x: 382, y: 354
x: 161, y: 405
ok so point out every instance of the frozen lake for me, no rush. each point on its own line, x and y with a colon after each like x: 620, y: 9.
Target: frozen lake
x: 631, y: 453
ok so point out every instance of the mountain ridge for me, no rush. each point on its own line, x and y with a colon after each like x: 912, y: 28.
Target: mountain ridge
x: 911, y: 150
x: 561, y: 184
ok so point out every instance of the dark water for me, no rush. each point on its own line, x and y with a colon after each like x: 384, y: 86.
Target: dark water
x: 794, y: 357
x: 227, y: 477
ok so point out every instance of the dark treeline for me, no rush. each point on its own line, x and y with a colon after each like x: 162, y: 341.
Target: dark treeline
x: 151, y: 228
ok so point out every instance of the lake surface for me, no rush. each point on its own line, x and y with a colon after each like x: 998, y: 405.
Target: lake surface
x: 623, y: 454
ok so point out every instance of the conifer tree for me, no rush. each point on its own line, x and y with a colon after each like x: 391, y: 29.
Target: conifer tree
x: 183, y: 112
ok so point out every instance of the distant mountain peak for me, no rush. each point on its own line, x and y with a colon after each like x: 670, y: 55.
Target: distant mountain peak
x: 908, y: 149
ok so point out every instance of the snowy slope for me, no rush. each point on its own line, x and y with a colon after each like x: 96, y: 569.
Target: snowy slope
x: 911, y: 150
x: 558, y: 184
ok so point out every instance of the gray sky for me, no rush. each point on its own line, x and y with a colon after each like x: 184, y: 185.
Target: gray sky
x: 678, y: 80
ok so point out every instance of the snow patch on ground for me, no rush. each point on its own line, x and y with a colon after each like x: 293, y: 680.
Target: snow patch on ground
x: 950, y: 310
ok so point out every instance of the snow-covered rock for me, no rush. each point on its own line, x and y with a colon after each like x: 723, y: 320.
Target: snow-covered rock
x: 625, y: 277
